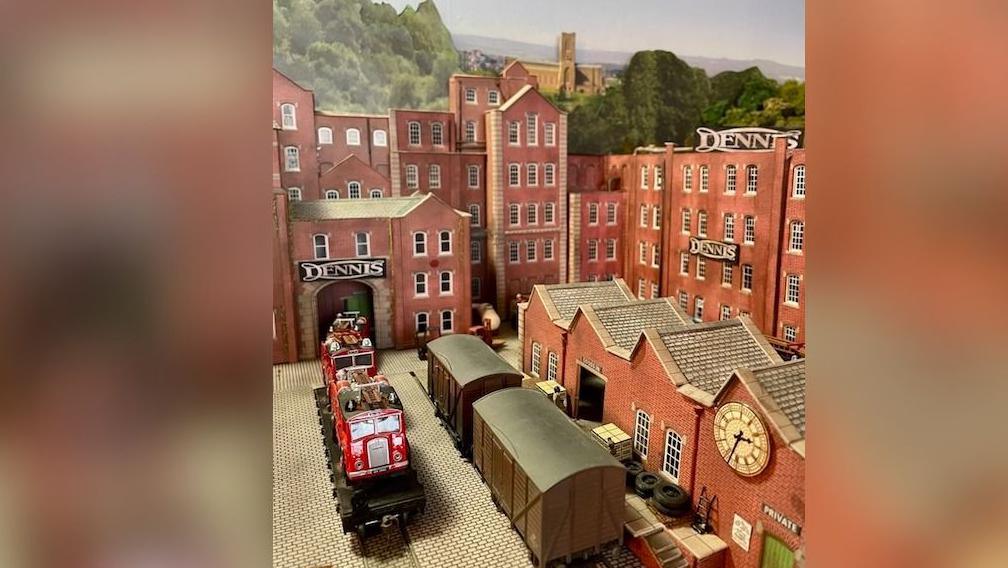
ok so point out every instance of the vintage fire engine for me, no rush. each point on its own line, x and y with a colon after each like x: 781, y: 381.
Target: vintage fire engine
x: 369, y: 425
x: 348, y: 346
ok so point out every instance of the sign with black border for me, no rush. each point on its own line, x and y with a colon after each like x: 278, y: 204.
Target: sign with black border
x: 717, y: 250
x: 342, y: 269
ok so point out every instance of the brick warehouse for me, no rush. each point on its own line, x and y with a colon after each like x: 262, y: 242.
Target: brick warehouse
x: 647, y: 367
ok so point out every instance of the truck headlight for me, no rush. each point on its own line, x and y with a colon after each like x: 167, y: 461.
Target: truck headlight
x: 397, y: 456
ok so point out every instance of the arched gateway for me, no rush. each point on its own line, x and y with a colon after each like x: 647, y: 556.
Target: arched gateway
x: 319, y: 302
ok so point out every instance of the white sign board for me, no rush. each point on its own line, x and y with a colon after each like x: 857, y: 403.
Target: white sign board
x: 747, y: 139
x: 741, y: 532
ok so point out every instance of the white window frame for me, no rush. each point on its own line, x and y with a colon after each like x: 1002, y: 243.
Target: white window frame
x: 593, y: 213
x: 530, y: 251
x: 725, y: 312
x: 532, y: 175
x: 727, y: 274
x: 549, y: 133
x: 415, y: 135
x: 640, y: 288
x: 421, y: 285
x: 655, y: 255
x: 792, y: 331
x: 420, y: 245
x: 552, y: 361
x: 798, y: 187
x: 684, y: 226
x: 796, y: 240
x: 354, y: 190
x: 752, y: 179
x: 549, y: 213
x: 514, y: 255
x: 514, y: 174
x: 548, y: 249
x: 731, y: 179
x: 789, y: 298
x: 592, y: 250
x: 293, y: 194
x: 610, y: 249
x: 728, y: 230
x: 379, y: 138
x: 292, y: 159
x: 642, y: 427
x: 701, y: 223
x: 417, y: 318
x: 434, y: 176
x: 644, y: 215
x: 284, y: 115
x: 654, y: 290
x: 331, y: 194
x: 644, y: 177
x: 471, y: 98
x: 687, y: 179
x: 701, y: 268
x: 437, y: 133
x: 749, y: 230
x: 531, y: 129
x: 324, y: 246
x: 656, y: 217
x: 704, y: 179
x: 470, y: 131
x: 747, y: 273
x: 684, y: 263
x: 444, y: 237
x: 659, y: 178
x: 472, y: 176
x: 376, y: 193
x: 698, y: 305
x: 475, y: 251
x: 642, y: 252
x: 325, y: 135
x: 412, y: 176
x: 532, y: 214
x: 549, y: 175
x: 493, y: 97
x: 450, y: 281
x: 366, y: 244
x: 514, y: 215
x: 610, y: 213
x: 353, y: 137
x: 672, y: 456
x: 683, y: 299
x: 535, y: 364
x: 474, y: 213
x: 514, y: 133
x: 447, y: 324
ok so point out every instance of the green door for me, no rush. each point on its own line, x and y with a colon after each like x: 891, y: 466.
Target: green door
x: 776, y: 554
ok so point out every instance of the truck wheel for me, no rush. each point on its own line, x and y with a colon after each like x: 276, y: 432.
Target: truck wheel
x: 633, y: 469
x: 671, y: 498
x: 645, y: 483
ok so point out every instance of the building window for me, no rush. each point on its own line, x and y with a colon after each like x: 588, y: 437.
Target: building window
x: 551, y: 366
x: 727, y: 271
x: 683, y: 299
x: 288, y: 120
x: 698, y: 309
x: 654, y: 290
x: 549, y: 175
x: 530, y: 251
x: 353, y: 137
x: 797, y: 235
x: 419, y: 244
x: 793, y: 284
x: 743, y: 313
x: 514, y: 175
x: 437, y: 134
x: 353, y: 190
x: 477, y: 287
x: 470, y: 131
x: 414, y: 133
x: 687, y: 178
x: 656, y: 217
x: 640, y: 288
x: 790, y: 333
x: 446, y: 282
x: 532, y: 177
x: 673, y: 454
x: 434, y: 176
x: 701, y: 218
x: 704, y: 179
x: 643, y: 216
x: 725, y: 312
x: 749, y: 236
x: 640, y: 439
x: 475, y: 251
x: 729, y: 227
x: 686, y: 221
x: 655, y: 255
x: 642, y: 252
x: 379, y: 138
x: 420, y: 284
x: 445, y: 238
x: 470, y: 96
x: 532, y: 214
x: 493, y: 97
x: 292, y: 163
x: 377, y: 194
x: 659, y: 177
x: 548, y: 213
x: 751, y: 175
x: 610, y: 214
x: 412, y: 176
x: 536, y: 355
x: 610, y: 249
x: 474, y: 212
x: 592, y: 250
x: 321, y: 247
x: 644, y: 177
x: 799, y: 184
x: 549, y: 133
x: 294, y: 194
x: 331, y: 194
x: 730, y: 172
x: 363, y: 242
x: 701, y: 268
x: 325, y: 135
x: 422, y: 321
x: 472, y: 173
x: 447, y: 321
x: 593, y: 214
x: 513, y: 214
x: 513, y: 251
x: 548, y: 249
x: 747, y: 277
x: 531, y: 129
x: 684, y: 263
x: 513, y: 133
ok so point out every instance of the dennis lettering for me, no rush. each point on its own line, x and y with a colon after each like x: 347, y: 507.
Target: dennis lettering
x: 750, y: 139
x: 714, y: 249
x: 349, y: 269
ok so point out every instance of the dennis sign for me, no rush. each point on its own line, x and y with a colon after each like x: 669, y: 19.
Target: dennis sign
x: 713, y: 249
x: 348, y: 269
x: 748, y: 139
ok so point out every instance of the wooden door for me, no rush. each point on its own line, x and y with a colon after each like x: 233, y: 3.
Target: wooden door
x: 776, y: 554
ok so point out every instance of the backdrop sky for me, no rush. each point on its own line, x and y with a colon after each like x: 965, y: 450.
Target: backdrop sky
x: 736, y: 29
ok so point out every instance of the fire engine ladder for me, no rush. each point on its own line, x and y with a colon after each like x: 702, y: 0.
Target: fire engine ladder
x: 701, y: 516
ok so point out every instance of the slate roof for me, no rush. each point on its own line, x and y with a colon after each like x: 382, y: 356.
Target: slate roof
x: 625, y: 321
x: 707, y: 353
x: 785, y: 383
x: 567, y: 297
x: 325, y: 209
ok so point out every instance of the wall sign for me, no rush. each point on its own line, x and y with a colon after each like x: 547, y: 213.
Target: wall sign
x: 347, y: 269
x: 590, y: 364
x: 747, y: 139
x: 741, y: 532
x: 781, y: 519
x: 714, y: 249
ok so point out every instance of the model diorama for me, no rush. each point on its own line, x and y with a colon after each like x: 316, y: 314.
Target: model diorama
x: 535, y: 348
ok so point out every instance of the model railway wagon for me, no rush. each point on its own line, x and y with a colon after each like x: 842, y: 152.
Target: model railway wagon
x: 563, y: 492
x: 460, y: 370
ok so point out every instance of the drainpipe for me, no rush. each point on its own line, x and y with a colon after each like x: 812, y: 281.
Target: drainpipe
x: 563, y: 359
x: 698, y: 413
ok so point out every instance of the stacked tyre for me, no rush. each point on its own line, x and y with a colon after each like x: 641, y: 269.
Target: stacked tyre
x: 670, y: 499
x: 633, y: 469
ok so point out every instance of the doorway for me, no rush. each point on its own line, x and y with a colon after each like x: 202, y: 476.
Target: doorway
x: 591, y: 395
x: 344, y: 296
x: 776, y: 554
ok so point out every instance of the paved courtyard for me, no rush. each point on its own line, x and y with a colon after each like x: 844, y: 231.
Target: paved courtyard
x: 460, y: 527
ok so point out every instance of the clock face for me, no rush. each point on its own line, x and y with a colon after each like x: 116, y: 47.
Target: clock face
x: 742, y: 438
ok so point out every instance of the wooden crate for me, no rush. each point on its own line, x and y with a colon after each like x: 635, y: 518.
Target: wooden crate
x: 615, y: 440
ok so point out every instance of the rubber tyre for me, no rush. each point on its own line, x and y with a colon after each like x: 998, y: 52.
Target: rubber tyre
x: 633, y: 469
x: 670, y: 498
x: 645, y: 483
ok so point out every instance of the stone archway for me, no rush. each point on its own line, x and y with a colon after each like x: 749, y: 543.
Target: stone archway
x: 307, y: 306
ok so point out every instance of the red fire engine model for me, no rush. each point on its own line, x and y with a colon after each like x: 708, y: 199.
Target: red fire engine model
x: 368, y: 420
x: 348, y: 345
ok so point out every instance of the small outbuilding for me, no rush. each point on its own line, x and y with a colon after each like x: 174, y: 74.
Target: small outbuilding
x: 460, y: 370
x: 563, y: 492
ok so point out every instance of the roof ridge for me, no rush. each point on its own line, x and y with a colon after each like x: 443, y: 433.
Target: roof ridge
x: 702, y: 326
x: 777, y: 365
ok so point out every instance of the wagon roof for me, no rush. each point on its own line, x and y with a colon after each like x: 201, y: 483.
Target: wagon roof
x: 468, y: 359
x: 548, y: 446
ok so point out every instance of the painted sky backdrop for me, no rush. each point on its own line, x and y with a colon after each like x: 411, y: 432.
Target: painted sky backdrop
x: 737, y: 29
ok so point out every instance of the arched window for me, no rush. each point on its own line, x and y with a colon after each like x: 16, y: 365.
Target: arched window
x: 751, y: 178
x: 420, y: 284
x: 642, y: 425
x: 321, y: 243
x: 292, y: 159
x: 447, y: 321
x: 473, y: 176
x: 437, y: 134
x: 549, y: 175
x: 288, y: 120
x: 474, y: 211
x: 793, y: 288
x: 379, y: 138
x: 414, y: 133
x: 673, y: 454
x: 514, y: 175
x: 412, y: 176
x: 470, y: 131
x: 799, y: 182
x: 701, y: 223
x: 444, y: 242
x: 434, y: 176
x: 513, y: 214
x: 353, y: 137
x: 419, y: 244
x: 593, y: 213
x: 533, y: 175
x: 730, y: 172
x: 704, y: 179
x: 377, y: 193
x: 331, y: 194
x: 797, y: 235
x: 294, y: 194
x: 325, y: 135
x: 353, y: 190
x: 421, y: 321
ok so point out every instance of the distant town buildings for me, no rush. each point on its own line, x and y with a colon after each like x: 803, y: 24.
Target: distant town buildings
x: 565, y: 75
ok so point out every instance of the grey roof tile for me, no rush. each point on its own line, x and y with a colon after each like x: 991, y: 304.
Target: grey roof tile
x: 706, y: 354
x: 785, y: 383
x: 625, y: 321
x: 354, y: 208
x: 567, y: 297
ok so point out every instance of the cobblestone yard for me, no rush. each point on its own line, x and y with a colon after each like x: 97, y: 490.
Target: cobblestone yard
x: 460, y: 527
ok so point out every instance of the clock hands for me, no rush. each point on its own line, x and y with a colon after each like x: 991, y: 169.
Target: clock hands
x: 738, y: 438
